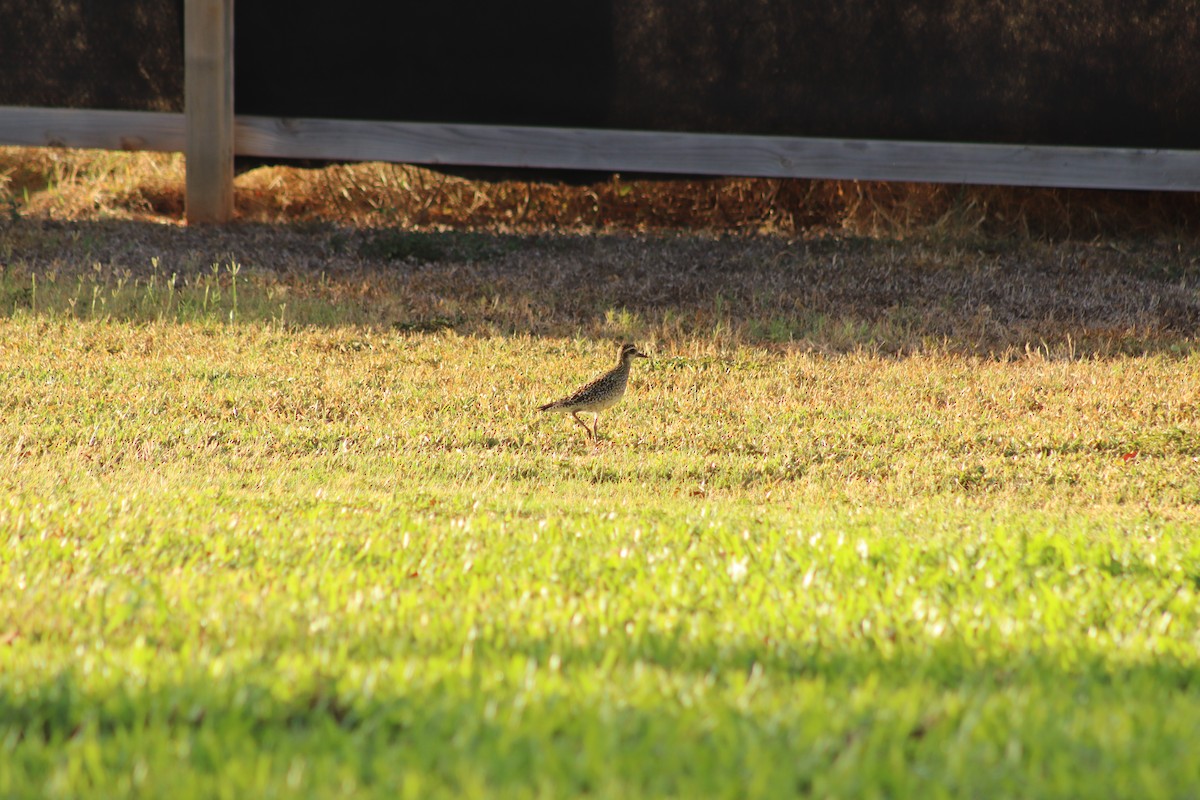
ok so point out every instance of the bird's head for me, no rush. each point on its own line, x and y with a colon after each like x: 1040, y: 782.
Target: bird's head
x: 629, y: 352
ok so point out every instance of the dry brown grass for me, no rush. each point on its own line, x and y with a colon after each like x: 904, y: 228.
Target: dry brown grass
x: 147, y: 186
x: 91, y: 184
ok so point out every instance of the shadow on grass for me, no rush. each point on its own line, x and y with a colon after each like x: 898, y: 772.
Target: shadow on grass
x: 835, y: 295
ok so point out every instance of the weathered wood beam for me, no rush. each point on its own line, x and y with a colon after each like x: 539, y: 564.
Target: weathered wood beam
x: 627, y: 151
x: 721, y: 154
x: 208, y: 108
x: 90, y: 128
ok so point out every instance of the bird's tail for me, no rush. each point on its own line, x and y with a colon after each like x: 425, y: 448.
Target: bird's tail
x: 548, y: 406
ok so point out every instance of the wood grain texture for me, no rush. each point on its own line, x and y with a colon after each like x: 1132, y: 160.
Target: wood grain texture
x: 86, y: 128
x: 208, y: 108
x: 625, y: 151
x: 721, y: 154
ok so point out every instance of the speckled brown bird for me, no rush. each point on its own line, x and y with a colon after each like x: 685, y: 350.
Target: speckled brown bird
x: 601, y: 394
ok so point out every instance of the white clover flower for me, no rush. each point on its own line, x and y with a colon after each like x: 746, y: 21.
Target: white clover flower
x: 738, y: 568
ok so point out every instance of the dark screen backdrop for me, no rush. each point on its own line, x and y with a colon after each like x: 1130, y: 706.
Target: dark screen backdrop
x: 1091, y: 72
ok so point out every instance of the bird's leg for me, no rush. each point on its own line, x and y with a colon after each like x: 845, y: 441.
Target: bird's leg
x: 596, y: 426
x: 575, y: 414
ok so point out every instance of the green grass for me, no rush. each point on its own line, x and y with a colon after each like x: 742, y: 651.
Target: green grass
x: 268, y: 551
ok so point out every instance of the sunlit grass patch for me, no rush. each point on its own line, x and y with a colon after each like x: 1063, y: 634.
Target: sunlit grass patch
x: 156, y: 295
x: 253, y: 557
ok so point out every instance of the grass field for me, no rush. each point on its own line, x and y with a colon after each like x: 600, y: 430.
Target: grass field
x: 877, y: 520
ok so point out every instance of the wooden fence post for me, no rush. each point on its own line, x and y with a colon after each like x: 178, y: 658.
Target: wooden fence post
x: 208, y: 106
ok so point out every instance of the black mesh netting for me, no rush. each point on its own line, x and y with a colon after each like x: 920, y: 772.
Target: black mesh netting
x: 120, y: 54
x: 1088, y: 72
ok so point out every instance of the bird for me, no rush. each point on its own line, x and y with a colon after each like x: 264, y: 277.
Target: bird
x: 602, y: 393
